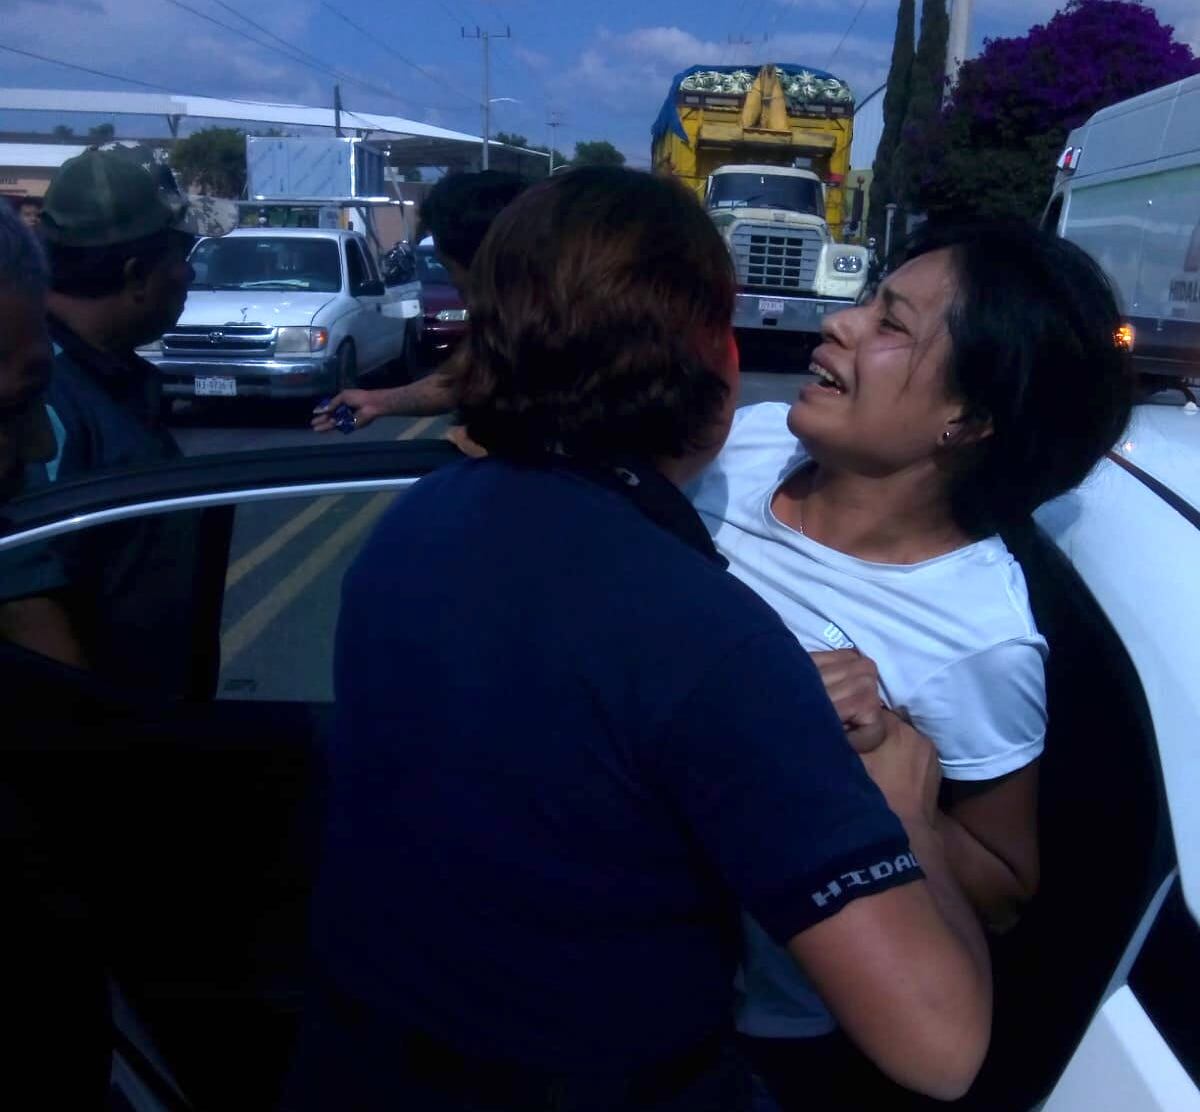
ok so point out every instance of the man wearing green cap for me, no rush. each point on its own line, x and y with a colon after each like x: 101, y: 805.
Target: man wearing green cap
x: 115, y: 236
x: 119, y: 278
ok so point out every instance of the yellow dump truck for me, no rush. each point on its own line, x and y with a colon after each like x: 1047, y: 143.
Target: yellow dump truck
x: 767, y: 150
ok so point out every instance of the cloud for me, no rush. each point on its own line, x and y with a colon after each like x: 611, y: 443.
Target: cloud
x: 155, y: 42
x: 533, y: 59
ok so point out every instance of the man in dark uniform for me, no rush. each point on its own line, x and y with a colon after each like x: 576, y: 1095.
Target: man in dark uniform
x: 118, y: 249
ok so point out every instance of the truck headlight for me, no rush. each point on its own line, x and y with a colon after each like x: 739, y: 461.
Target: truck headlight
x: 292, y: 340
x: 847, y: 264
x: 154, y: 348
x: 451, y: 314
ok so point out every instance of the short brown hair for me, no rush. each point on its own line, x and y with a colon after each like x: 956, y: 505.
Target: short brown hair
x: 598, y: 305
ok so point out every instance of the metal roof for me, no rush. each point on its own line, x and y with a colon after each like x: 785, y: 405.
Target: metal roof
x: 416, y: 143
x: 42, y: 156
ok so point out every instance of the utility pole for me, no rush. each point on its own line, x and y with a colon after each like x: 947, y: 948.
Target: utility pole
x: 957, y: 40
x: 554, y: 123
x: 337, y: 110
x: 486, y: 37
x: 741, y: 40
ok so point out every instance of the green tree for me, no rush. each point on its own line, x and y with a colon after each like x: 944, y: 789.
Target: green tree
x: 413, y: 173
x: 895, y: 105
x: 597, y: 152
x: 926, y: 91
x: 212, y: 161
x: 63, y: 132
x: 515, y: 140
x: 102, y: 133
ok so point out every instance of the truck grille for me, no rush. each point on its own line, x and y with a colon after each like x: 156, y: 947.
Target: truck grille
x: 773, y: 257
x: 236, y: 339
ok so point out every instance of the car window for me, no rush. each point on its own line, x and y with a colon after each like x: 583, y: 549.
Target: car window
x: 287, y: 559
x: 372, y: 268
x: 356, y: 268
x: 430, y: 269
x: 254, y: 263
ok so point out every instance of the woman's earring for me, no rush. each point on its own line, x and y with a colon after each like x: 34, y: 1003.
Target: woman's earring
x: 946, y: 434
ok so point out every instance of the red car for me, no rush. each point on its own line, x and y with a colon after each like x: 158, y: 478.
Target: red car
x: 442, y: 305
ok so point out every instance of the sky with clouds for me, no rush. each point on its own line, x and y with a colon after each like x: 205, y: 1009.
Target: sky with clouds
x: 603, y: 67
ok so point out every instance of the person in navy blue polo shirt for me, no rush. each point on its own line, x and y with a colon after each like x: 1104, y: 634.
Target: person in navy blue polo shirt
x: 569, y: 746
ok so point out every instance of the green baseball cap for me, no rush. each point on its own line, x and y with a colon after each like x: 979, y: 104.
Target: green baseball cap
x: 105, y: 197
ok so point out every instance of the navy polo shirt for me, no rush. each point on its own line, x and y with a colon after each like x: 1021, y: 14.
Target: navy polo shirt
x: 568, y: 747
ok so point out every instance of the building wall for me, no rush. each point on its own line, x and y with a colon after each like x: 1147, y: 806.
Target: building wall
x: 24, y: 181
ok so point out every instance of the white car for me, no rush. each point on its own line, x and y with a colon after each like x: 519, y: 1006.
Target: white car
x: 287, y: 313
x: 211, y: 812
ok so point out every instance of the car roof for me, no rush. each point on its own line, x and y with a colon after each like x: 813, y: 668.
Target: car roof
x: 1132, y: 532
x: 1164, y: 442
x: 304, y: 233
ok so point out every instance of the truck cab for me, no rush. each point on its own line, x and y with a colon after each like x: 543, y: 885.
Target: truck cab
x: 790, y: 271
x: 768, y: 151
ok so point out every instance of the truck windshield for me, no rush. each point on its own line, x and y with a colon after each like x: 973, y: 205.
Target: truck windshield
x: 267, y: 263
x: 766, y: 191
x: 430, y: 270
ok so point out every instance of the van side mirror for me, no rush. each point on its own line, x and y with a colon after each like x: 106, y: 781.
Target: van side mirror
x: 372, y: 287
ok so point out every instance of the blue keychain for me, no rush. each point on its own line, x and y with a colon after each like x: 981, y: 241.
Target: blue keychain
x: 343, y: 417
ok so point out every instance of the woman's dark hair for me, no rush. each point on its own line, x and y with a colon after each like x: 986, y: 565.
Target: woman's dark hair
x: 599, y: 303
x: 459, y: 210
x: 1033, y: 331
x: 93, y: 272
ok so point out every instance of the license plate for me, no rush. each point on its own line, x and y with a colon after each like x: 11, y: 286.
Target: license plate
x: 216, y: 387
x: 768, y: 306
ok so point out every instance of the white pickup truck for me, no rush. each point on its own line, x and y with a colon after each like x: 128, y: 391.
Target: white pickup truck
x: 287, y: 313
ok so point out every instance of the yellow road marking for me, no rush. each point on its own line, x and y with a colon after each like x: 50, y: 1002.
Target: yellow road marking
x: 417, y: 427
x: 266, y: 549
x: 250, y: 626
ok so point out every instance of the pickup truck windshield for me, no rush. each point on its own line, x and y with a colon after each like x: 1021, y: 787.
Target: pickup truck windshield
x: 766, y: 191
x: 430, y: 270
x: 267, y: 263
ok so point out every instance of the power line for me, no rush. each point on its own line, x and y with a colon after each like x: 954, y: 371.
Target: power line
x: 297, y: 56
x: 84, y: 69
x: 291, y: 56
x: 846, y: 34
x: 395, y: 54
x: 269, y: 33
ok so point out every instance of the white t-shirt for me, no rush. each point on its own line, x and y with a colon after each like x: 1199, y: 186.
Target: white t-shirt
x: 953, y: 638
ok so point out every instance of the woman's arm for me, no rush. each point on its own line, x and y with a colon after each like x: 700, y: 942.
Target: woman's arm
x: 991, y: 837
x: 989, y: 827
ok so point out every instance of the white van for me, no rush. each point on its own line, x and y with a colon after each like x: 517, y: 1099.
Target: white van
x: 1128, y: 192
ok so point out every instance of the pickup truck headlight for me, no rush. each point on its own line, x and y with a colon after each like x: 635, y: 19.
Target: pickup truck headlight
x: 847, y: 264
x: 290, y: 340
x: 154, y: 348
x: 451, y: 314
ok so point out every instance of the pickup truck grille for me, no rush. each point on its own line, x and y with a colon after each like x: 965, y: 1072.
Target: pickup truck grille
x: 230, y: 339
x: 776, y: 257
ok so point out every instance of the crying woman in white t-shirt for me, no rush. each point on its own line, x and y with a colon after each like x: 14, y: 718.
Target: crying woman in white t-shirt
x: 981, y: 380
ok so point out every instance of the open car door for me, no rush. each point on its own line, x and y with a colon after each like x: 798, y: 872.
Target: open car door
x: 161, y: 851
